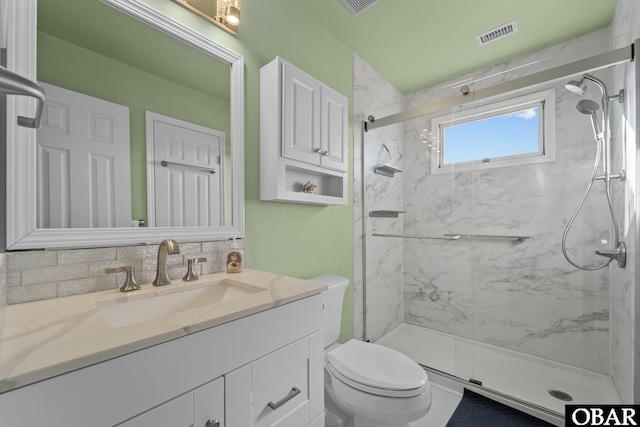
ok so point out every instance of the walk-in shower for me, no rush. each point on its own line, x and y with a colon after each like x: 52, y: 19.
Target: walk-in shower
x: 602, y: 137
x: 508, y: 313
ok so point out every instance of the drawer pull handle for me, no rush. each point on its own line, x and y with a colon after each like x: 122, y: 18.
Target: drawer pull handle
x: 293, y: 393
x: 212, y: 423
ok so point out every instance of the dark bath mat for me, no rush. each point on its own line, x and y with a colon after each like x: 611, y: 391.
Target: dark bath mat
x: 475, y: 410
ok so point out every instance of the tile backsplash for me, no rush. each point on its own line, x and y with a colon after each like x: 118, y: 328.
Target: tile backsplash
x: 37, y: 275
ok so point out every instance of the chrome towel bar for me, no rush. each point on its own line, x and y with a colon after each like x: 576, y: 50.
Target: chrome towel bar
x: 457, y: 236
x: 14, y: 84
x: 185, y: 166
x: 416, y: 237
x: 516, y: 239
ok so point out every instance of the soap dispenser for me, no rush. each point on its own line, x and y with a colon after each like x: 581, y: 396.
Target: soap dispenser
x: 234, y: 259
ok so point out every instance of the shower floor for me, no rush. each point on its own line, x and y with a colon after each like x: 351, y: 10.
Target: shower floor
x: 523, y: 377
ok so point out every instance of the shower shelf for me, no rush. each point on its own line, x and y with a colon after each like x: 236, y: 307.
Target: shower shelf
x: 385, y: 214
x: 386, y: 170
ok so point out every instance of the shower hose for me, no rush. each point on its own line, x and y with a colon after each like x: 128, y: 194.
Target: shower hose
x: 599, y: 143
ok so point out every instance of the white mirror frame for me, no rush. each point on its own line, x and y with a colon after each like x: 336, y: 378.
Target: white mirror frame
x: 21, y: 231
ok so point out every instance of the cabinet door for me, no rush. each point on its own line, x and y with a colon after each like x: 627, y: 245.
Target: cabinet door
x: 334, y: 129
x: 208, y: 404
x: 301, y: 116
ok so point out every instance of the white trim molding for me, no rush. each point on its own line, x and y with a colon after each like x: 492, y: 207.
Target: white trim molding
x: 21, y: 231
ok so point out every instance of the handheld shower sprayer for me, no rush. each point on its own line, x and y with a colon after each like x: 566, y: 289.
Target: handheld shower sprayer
x: 587, y: 106
x: 603, y: 143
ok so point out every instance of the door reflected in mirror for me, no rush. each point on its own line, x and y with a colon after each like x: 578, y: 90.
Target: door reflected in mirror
x: 103, y: 71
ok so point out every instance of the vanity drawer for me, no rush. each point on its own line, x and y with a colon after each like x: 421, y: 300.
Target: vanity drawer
x: 280, y: 386
x: 279, y: 389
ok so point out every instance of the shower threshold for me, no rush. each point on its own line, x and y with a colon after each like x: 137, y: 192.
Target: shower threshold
x: 526, y: 378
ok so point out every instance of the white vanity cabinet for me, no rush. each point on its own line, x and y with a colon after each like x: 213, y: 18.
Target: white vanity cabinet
x: 195, y: 380
x: 303, y: 137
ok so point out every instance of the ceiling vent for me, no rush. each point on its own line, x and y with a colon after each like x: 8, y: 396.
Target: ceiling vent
x: 497, y: 33
x: 357, y: 6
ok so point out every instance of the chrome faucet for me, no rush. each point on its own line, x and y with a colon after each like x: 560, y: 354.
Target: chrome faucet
x: 167, y: 247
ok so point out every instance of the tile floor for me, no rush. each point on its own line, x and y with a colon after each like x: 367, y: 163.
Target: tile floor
x: 445, y: 396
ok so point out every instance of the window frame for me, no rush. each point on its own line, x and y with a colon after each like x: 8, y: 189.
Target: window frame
x: 468, y: 113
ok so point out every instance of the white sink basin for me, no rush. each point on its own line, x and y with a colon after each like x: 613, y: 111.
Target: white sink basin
x: 157, y: 304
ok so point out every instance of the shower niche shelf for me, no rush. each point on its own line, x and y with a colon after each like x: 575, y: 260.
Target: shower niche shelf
x: 386, y: 170
x: 385, y: 214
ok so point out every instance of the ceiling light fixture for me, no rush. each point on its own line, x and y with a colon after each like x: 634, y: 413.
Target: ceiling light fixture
x: 224, y: 13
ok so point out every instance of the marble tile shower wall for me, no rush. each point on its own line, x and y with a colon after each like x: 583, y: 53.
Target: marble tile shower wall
x: 36, y: 275
x: 374, y: 96
x: 523, y: 297
x: 625, y: 29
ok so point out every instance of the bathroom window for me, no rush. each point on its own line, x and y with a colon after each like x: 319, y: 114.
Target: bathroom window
x: 518, y: 131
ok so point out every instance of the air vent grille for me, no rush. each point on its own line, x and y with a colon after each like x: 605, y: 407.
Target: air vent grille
x: 357, y: 6
x: 497, y: 33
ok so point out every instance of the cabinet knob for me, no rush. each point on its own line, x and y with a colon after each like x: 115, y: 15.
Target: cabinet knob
x: 325, y: 153
x: 317, y: 150
x: 212, y: 423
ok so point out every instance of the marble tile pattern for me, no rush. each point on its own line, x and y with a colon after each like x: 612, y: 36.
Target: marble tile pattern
x: 625, y: 29
x: 525, y: 296
x: 42, y: 339
x: 3, y: 287
x: 384, y: 295
x: 38, y: 275
x: 488, y: 291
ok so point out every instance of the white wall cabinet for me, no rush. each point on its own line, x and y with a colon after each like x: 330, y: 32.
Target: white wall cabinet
x: 194, y: 380
x: 303, y: 137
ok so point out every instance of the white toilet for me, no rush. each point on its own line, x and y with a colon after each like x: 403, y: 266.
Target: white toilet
x: 367, y: 385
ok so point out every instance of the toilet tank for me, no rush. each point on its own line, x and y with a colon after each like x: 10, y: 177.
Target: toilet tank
x: 332, y: 300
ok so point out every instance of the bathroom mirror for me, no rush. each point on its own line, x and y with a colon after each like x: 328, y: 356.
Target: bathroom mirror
x: 200, y: 84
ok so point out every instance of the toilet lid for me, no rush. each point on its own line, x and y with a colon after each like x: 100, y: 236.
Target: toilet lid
x: 376, y: 366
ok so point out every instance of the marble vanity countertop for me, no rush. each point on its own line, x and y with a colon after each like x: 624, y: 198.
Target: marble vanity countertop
x: 46, y: 338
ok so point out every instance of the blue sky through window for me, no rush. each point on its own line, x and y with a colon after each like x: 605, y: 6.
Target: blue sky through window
x: 499, y: 136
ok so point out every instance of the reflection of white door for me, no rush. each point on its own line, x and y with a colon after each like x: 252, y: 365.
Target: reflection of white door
x: 83, y: 162
x: 188, y: 191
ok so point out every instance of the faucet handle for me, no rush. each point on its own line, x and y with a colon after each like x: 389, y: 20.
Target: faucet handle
x: 191, y: 272
x: 130, y: 283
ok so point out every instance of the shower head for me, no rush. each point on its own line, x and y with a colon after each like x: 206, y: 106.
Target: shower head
x: 579, y: 87
x: 587, y: 106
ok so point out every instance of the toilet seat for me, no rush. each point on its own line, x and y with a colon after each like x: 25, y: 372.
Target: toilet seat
x: 378, y: 370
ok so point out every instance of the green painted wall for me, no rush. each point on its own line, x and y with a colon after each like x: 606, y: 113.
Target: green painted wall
x: 296, y: 240
x: 63, y: 64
